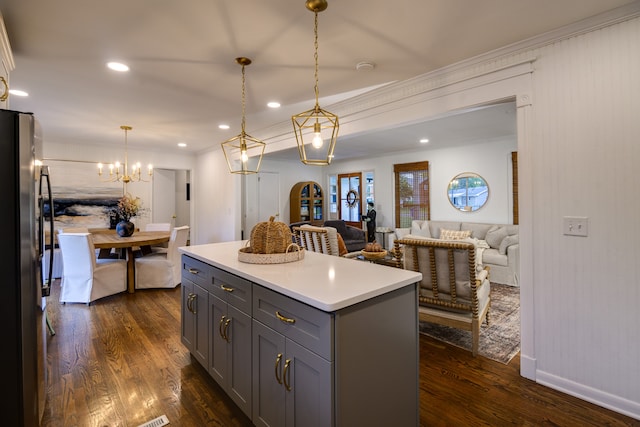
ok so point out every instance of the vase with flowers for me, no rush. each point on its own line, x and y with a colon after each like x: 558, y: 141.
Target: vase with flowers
x: 127, y: 207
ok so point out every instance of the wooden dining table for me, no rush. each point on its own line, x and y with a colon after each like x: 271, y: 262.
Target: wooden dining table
x: 102, y: 240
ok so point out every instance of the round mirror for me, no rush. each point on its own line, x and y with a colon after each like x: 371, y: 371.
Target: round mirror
x: 468, y: 192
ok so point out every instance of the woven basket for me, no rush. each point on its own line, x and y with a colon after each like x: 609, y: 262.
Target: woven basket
x: 373, y: 255
x: 293, y: 253
x: 270, y: 237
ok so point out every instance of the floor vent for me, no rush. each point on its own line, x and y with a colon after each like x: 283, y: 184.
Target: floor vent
x: 157, y: 422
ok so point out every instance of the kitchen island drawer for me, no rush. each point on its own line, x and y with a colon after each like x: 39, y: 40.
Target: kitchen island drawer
x: 306, y: 325
x: 198, y: 272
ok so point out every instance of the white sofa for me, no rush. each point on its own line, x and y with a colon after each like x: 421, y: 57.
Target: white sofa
x: 498, y: 244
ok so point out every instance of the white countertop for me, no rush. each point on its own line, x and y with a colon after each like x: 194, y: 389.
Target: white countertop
x: 326, y: 282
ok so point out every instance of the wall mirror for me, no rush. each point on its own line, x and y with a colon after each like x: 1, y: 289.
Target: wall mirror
x: 468, y: 192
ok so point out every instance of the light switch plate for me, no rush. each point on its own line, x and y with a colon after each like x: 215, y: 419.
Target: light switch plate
x: 575, y: 226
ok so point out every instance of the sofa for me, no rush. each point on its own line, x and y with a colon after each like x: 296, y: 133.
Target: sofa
x: 497, y: 245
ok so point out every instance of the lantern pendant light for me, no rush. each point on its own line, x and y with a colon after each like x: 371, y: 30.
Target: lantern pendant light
x: 316, y: 129
x: 243, y: 147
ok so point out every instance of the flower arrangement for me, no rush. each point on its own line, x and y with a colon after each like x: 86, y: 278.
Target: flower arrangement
x: 128, y: 207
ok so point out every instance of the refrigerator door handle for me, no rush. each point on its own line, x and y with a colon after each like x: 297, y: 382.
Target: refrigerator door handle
x: 44, y: 174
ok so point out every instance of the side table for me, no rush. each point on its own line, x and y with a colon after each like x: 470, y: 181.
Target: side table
x: 385, y: 231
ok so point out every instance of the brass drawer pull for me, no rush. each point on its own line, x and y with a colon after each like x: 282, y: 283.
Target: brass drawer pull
x: 190, y: 299
x: 286, y: 374
x: 226, y: 288
x: 5, y: 93
x: 278, y: 359
x: 220, y: 327
x: 193, y: 271
x: 285, y: 319
x: 226, y: 330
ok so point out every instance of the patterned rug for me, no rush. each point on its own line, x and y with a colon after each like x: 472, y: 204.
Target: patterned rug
x: 501, y: 340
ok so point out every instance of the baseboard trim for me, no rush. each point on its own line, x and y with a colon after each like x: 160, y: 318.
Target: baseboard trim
x: 589, y: 394
x: 527, y: 367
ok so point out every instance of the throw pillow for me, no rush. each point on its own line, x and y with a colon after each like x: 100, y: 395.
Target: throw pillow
x: 454, y: 234
x: 495, y: 235
x: 342, y: 248
x: 508, y: 241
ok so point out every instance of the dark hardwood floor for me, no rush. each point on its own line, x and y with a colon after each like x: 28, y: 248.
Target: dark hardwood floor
x: 119, y: 362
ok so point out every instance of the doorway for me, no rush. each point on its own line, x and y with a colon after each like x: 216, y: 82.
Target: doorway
x: 170, y: 200
x: 350, y: 191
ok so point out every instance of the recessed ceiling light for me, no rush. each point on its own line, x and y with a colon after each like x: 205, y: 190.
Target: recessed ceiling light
x: 18, y: 92
x: 182, y: 144
x: 273, y: 104
x: 424, y: 141
x: 118, y: 66
x: 223, y: 126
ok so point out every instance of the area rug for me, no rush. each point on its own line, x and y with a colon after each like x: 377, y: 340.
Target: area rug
x: 501, y: 340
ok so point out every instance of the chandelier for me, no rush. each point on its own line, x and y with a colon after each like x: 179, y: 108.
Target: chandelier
x: 119, y: 172
x: 243, y: 145
x: 316, y: 124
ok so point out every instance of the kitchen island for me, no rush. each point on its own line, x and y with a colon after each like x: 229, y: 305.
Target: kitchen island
x: 324, y: 341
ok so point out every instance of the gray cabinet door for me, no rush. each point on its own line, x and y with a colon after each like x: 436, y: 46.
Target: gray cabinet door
x: 239, y: 358
x: 188, y: 321
x: 308, y: 383
x: 268, y: 365
x: 230, y: 351
x: 218, y: 346
x: 292, y: 386
x: 195, y: 321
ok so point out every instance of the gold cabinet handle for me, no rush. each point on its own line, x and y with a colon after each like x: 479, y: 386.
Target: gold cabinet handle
x: 193, y: 271
x: 285, y: 374
x: 285, y: 319
x: 278, y: 359
x: 190, y: 299
x: 220, y: 327
x: 194, y: 308
x: 5, y: 93
x: 226, y: 288
x: 226, y: 329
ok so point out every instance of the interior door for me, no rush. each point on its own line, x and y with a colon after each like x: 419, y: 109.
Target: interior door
x: 262, y: 199
x: 164, y: 196
x: 350, y: 191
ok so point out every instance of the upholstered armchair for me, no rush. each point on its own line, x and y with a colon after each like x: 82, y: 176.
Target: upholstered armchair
x: 321, y: 239
x: 455, y: 290
x: 354, y: 238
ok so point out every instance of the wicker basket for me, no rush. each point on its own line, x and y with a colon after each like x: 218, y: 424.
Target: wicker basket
x: 374, y: 255
x: 293, y: 253
x: 270, y: 237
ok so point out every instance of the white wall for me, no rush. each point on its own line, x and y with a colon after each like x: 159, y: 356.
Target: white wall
x: 490, y: 159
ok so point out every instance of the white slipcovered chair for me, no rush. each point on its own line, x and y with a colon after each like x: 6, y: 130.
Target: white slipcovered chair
x: 157, y: 226
x: 162, y: 270
x: 86, y: 278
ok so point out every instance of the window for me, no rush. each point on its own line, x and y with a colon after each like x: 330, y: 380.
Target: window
x: 411, y: 192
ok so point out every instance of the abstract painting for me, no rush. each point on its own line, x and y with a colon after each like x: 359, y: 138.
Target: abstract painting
x: 80, y: 197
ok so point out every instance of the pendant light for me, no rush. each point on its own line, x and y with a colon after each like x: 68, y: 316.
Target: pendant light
x: 316, y: 129
x: 243, y: 147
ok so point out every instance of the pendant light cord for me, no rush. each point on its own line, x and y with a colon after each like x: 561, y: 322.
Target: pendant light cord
x: 315, y: 56
x: 242, y: 127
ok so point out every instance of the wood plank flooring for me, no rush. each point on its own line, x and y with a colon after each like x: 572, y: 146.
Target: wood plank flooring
x: 119, y: 362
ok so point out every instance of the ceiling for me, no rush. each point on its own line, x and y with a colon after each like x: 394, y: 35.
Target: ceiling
x: 183, y: 80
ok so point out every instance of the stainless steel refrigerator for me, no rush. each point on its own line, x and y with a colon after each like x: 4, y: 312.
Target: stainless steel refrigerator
x: 24, y: 189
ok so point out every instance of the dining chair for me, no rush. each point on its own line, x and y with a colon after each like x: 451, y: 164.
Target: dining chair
x: 158, y: 226
x: 86, y: 278
x: 162, y: 270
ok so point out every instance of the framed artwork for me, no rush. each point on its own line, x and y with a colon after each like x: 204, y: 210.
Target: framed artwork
x: 80, y: 197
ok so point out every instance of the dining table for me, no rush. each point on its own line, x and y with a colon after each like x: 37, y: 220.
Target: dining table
x: 142, y: 239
